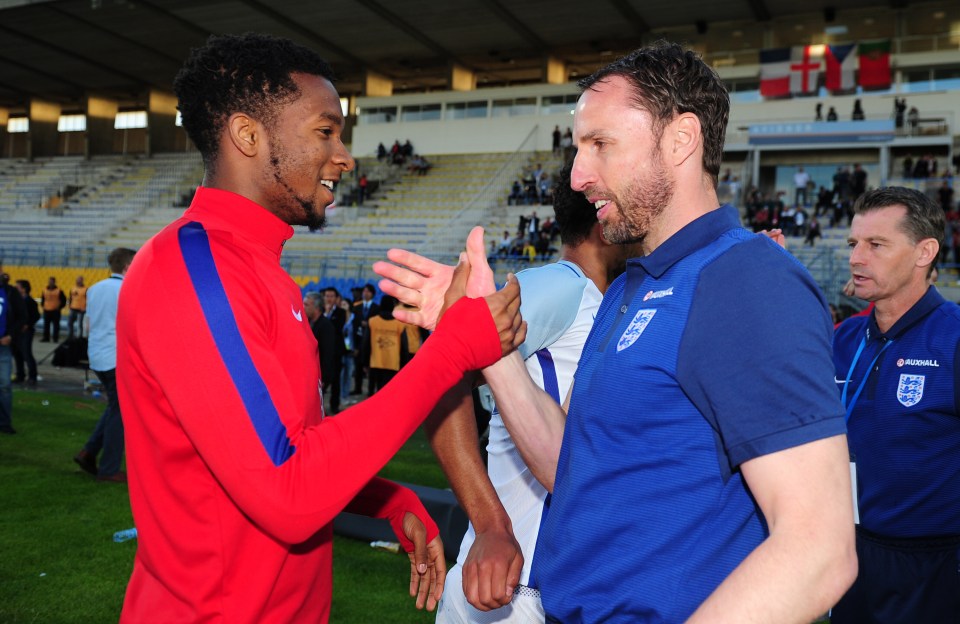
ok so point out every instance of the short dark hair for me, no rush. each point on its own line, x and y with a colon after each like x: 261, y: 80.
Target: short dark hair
x: 248, y: 73
x: 575, y: 215
x: 370, y: 289
x: 119, y: 259
x: 336, y: 293
x: 25, y: 285
x: 924, y: 218
x: 669, y: 80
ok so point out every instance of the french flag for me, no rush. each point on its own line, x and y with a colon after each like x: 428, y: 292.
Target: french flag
x: 775, y: 72
x: 841, y: 65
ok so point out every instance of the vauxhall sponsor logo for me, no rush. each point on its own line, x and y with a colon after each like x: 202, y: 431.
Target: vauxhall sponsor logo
x: 902, y: 362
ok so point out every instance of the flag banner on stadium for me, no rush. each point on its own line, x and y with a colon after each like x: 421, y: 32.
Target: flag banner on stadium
x: 841, y: 61
x: 786, y: 71
x: 798, y: 70
x: 875, y: 64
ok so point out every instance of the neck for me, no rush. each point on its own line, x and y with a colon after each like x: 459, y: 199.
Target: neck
x: 888, y: 311
x: 685, y: 207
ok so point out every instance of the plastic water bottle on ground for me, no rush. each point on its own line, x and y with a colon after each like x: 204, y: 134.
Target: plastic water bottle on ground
x: 391, y: 547
x: 127, y: 534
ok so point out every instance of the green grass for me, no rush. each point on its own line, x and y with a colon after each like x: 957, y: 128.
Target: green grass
x: 59, y: 564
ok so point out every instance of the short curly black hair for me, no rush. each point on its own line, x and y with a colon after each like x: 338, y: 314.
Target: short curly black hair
x: 575, y: 215
x: 249, y: 73
x: 668, y: 80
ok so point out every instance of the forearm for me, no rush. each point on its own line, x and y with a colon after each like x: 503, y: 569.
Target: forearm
x: 809, y: 560
x: 535, y: 421
x: 452, y: 431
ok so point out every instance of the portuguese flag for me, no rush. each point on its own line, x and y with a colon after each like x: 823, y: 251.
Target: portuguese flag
x: 875, y: 65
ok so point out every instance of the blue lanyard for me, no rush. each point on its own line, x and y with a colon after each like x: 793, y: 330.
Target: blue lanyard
x: 863, y: 382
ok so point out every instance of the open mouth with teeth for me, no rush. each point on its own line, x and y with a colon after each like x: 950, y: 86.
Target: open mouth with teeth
x: 330, y: 184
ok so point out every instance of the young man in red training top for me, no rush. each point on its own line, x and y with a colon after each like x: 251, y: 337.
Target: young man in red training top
x: 234, y: 474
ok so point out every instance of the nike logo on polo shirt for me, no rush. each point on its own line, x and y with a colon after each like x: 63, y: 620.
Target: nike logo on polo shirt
x: 839, y: 381
x: 296, y: 315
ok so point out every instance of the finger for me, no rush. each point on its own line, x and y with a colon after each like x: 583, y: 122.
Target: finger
x: 400, y: 274
x: 469, y: 578
x: 439, y: 580
x: 513, y: 576
x: 405, y: 294
x: 520, y: 336
x: 481, y: 275
x: 411, y: 317
x: 458, y: 284
x: 414, y: 261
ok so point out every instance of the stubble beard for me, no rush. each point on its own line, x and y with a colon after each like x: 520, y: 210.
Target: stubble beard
x: 307, y: 215
x: 640, y: 206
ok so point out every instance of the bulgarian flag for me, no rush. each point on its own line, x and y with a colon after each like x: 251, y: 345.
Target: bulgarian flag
x: 875, y: 65
x: 841, y: 64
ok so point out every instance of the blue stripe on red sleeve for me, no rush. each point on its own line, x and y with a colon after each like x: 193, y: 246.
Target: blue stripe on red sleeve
x: 195, y: 247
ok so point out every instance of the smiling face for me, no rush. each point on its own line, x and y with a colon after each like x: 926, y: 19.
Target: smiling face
x: 305, y: 154
x: 884, y: 260
x: 619, y: 165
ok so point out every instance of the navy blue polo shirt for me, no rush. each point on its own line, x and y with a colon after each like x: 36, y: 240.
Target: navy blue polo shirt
x: 709, y: 352
x: 905, y: 424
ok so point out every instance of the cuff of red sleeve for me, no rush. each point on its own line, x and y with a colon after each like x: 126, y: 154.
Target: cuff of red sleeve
x: 468, y: 334
x: 409, y: 501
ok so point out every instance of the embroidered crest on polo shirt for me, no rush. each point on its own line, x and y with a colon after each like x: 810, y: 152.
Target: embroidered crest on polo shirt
x: 636, y: 327
x: 910, y: 389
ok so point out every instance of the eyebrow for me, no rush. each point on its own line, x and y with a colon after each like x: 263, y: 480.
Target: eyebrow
x: 335, y: 118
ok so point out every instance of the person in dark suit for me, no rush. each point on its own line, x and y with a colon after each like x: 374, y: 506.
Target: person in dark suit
x: 362, y: 310
x: 338, y: 317
x: 324, y: 332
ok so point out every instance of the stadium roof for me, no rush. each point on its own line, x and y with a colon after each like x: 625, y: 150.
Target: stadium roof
x: 63, y: 49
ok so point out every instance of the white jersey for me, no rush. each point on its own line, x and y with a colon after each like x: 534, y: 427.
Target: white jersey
x: 559, y: 304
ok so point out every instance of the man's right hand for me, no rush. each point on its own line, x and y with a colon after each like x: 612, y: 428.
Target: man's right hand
x: 492, y: 569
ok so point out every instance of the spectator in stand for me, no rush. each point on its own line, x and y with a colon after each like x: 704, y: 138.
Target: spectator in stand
x: 832, y: 114
x: 533, y: 227
x: 24, y: 354
x: 78, y: 307
x: 362, y: 184
x: 913, y: 119
x: 363, y: 310
x: 504, y: 246
x: 858, y: 181
x: 53, y: 302
x: 556, y: 140
x: 857, y: 111
x: 945, y: 195
x: 516, y: 194
x: 899, y: 108
x: 407, y: 149
x: 824, y: 201
x: 566, y: 143
x: 801, y: 179
x: 325, y: 334
x: 908, y: 166
x: 813, y: 233
x: 818, y: 112
x: 921, y: 169
x: 545, y: 188
x: 381, y: 152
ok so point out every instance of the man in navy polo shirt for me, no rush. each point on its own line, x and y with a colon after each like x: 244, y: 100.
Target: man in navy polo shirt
x: 897, y: 373
x: 703, y: 470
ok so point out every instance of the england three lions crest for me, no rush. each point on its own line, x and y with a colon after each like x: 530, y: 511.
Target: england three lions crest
x: 910, y: 389
x: 636, y: 327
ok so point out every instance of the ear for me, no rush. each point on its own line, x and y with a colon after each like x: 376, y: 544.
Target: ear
x: 684, y: 137
x: 927, y: 252
x: 244, y: 133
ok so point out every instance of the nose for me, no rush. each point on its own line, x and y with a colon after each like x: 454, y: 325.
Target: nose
x: 856, y: 257
x: 344, y: 159
x: 580, y: 175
